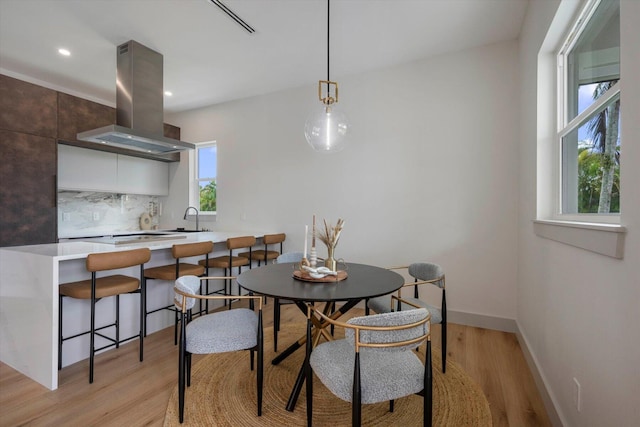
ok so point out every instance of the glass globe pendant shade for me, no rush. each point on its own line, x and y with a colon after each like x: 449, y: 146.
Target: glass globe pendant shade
x: 326, y: 129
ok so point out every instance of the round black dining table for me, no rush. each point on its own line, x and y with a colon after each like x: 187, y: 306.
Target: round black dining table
x: 363, y: 281
x: 278, y: 281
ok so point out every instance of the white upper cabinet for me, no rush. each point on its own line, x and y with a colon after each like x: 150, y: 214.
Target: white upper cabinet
x: 142, y: 176
x: 81, y: 169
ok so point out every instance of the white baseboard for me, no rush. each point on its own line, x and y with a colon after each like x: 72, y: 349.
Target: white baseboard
x: 510, y: 325
x: 482, y: 321
x: 538, y: 377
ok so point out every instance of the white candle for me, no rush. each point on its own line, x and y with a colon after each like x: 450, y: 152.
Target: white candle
x: 306, y: 231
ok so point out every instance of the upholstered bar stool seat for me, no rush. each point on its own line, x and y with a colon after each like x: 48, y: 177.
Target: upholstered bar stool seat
x: 168, y: 272
x: 97, y: 288
x: 227, y: 262
x: 264, y: 255
x: 230, y: 261
x: 172, y: 272
x: 106, y: 287
x: 223, y: 262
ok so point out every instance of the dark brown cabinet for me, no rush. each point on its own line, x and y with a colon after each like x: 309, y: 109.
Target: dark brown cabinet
x: 78, y: 115
x: 28, y: 108
x: 28, y: 193
x: 33, y: 120
x: 28, y: 163
x: 171, y: 131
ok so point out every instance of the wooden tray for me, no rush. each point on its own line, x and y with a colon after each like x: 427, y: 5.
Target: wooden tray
x: 304, y: 276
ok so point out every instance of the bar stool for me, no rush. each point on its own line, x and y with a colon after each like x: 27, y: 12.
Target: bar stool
x: 228, y: 262
x: 265, y: 254
x: 97, y: 288
x: 172, y: 271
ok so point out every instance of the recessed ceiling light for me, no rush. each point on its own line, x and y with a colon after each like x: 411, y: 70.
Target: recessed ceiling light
x: 168, y: 93
x: 64, y: 52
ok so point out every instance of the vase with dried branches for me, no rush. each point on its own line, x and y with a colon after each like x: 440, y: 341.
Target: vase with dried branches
x: 330, y: 236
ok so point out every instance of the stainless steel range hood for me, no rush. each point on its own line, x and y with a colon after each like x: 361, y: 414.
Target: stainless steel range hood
x: 139, y: 105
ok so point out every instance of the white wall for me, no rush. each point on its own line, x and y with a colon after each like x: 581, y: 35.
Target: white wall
x: 430, y: 172
x: 577, y: 310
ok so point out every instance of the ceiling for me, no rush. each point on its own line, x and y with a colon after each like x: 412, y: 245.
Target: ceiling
x: 209, y: 59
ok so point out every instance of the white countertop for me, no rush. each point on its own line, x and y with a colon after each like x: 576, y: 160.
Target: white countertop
x: 80, y: 249
x: 29, y: 280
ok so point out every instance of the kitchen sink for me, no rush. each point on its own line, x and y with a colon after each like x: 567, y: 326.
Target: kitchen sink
x: 182, y: 230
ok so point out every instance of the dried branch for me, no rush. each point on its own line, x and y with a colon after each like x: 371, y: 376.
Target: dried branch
x: 331, y: 235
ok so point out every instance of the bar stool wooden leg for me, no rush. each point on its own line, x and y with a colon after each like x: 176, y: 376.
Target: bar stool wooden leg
x: 59, y: 331
x: 142, y: 316
x: 93, y: 326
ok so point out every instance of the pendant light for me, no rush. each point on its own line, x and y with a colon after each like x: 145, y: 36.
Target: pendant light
x: 326, y: 128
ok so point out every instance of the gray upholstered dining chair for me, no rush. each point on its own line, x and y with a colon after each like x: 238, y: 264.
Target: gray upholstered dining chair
x: 219, y: 332
x: 282, y: 259
x: 375, y: 362
x: 423, y: 273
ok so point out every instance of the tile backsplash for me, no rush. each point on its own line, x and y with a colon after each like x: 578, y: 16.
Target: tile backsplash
x: 87, y: 213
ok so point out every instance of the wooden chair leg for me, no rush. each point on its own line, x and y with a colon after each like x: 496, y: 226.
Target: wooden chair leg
x: 118, y: 321
x: 444, y: 345
x: 260, y: 376
x: 92, y: 332
x: 143, y: 295
x: 276, y: 323
x: 443, y: 308
x: 175, y: 329
x: 356, y: 403
x: 188, y: 368
x: 428, y: 389
x: 60, y: 297
x: 140, y: 333
x: 333, y: 308
x: 182, y: 371
x: 309, y: 375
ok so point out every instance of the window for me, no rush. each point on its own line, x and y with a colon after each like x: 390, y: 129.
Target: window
x: 205, y: 172
x: 589, y: 115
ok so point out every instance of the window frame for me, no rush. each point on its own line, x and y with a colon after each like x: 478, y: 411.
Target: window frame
x: 585, y: 231
x: 565, y: 125
x: 195, y: 179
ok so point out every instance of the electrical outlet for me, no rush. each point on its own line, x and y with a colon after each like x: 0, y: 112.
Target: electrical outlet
x: 66, y: 217
x: 576, y: 394
x: 96, y: 216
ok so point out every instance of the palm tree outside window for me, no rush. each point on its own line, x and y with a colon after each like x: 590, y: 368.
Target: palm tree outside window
x: 205, y: 176
x: 589, y: 127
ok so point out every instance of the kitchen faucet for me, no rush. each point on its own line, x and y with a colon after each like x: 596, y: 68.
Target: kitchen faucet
x: 197, y: 215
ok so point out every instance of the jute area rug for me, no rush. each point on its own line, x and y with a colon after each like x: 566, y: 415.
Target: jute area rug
x: 223, y: 393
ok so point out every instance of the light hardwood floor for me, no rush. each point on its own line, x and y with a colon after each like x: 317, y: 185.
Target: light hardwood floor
x: 127, y: 392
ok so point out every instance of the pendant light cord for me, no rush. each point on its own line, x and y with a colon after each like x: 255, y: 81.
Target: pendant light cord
x: 328, y: 43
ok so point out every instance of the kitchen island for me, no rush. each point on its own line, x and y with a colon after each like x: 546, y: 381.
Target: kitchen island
x: 29, y: 280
